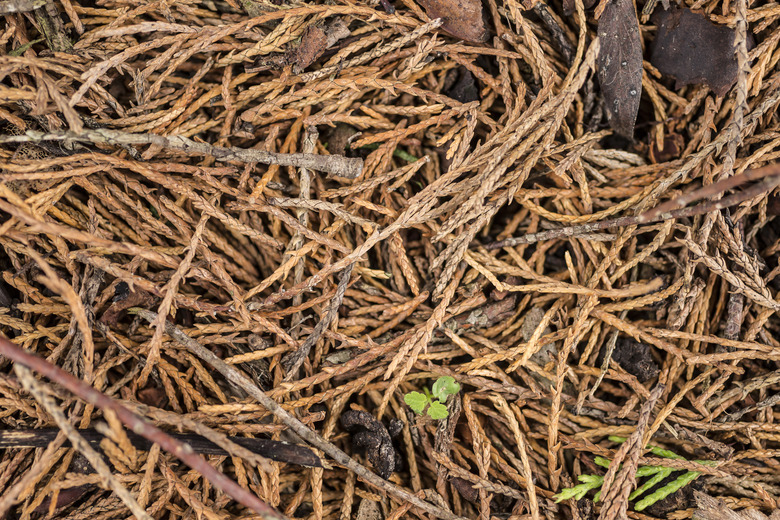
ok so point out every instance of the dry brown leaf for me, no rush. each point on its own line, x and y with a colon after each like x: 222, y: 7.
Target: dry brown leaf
x: 464, y: 19
x: 369, y: 510
x: 620, y: 65
x: 693, y: 50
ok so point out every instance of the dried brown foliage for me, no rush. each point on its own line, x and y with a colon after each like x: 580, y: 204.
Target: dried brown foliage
x: 176, y: 157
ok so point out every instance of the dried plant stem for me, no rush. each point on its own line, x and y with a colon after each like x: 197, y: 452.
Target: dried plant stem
x: 39, y: 392
x: 137, y: 425
x: 618, y: 482
x: 238, y: 379
x: 206, y: 442
x: 335, y: 164
x: 295, y: 359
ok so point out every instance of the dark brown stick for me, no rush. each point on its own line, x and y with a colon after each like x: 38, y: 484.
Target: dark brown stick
x: 139, y: 426
x: 712, y: 190
x: 274, y: 450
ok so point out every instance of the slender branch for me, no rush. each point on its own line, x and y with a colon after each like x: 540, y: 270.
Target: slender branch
x: 770, y: 176
x: 335, y: 164
x: 139, y: 426
x: 300, y: 429
x: 31, y: 475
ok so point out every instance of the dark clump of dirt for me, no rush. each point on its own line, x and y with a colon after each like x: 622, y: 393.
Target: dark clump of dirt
x: 636, y: 359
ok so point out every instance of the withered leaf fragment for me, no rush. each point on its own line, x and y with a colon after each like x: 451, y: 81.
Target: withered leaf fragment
x: 464, y: 19
x: 693, y: 50
x: 315, y: 40
x: 313, y: 44
x: 620, y: 65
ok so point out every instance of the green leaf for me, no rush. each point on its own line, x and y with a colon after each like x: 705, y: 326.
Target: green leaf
x: 667, y: 490
x: 589, y: 482
x: 651, y: 483
x: 416, y: 401
x: 437, y: 410
x: 565, y: 494
x: 646, y: 471
x: 445, y: 386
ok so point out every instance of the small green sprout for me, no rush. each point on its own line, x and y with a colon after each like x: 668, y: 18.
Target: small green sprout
x: 444, y: 387
x: 656, y: 474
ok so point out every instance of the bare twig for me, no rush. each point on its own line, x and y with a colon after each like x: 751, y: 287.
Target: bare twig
x: 11, y: 496
x: 274, y: 450
x: 139, y: 426
x: 335, y: 164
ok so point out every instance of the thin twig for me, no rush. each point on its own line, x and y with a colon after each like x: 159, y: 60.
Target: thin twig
x: 11, y: 496
x: 665, y: 211
x: 300, y: 429
x: 139, y: 426
x: 335, y: 164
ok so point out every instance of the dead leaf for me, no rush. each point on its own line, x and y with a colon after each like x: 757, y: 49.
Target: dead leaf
x: 335, y: 30
x: 464, y: 19
x: 710, y: 508
x: 673, y: 146
x: 694, y: 50
x: 125, y: 298
x: 316, y: 39
x: 313, y: 43
x: 620, y: 65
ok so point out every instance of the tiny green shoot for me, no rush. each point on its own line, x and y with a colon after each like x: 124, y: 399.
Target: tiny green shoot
x: 656, y: 474
x: 422, y: 403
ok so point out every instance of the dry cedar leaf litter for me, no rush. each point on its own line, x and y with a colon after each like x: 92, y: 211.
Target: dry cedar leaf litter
x: 710, y: 508
x: 499, y: 123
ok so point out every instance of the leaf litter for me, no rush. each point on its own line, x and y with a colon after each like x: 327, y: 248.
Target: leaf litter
x: 179, y: 216
x: 694, y: 50
x: 620, y: 65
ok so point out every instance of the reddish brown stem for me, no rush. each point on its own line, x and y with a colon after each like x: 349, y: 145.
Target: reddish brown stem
x: 666, y: 211
x: 139, y: 426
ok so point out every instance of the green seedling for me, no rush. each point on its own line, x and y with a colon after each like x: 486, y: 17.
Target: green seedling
x: 421, y: 403
x: 654, y: 474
